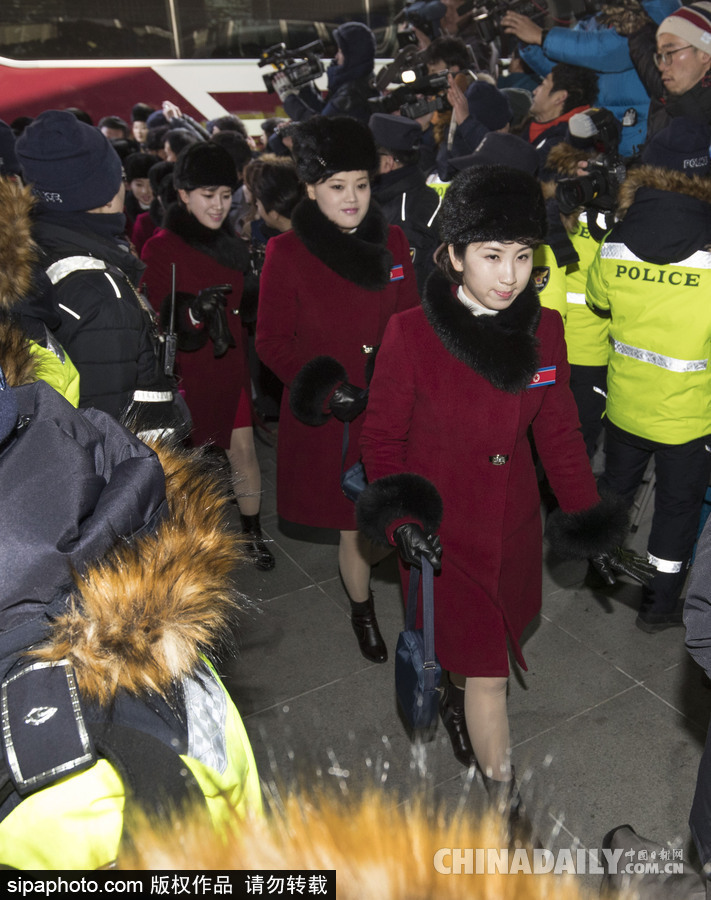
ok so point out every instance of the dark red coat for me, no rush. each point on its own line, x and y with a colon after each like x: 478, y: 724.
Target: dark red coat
x: 143, y: 228
x: 307, y: 309
x: 212, y: 386
x: 432, y: 413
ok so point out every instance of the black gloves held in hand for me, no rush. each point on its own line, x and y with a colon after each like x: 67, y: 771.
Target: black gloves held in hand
x: 347, y: 402
x: 622, y: 562
x: 412, y: 543
x: 209, y: 307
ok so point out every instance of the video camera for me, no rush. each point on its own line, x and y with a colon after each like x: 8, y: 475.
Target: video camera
x: 486, y: 21
x: 420, y: 93
x: 300, y: 66
x: 597, y: 189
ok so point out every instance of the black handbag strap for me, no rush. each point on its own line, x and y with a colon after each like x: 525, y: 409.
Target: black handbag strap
x: 427, y: 608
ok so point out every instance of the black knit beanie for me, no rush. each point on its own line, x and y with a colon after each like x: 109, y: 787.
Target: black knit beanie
x: 71, y: 166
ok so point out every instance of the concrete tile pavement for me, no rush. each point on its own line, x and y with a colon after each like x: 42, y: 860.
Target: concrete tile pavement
x: 608, y: 724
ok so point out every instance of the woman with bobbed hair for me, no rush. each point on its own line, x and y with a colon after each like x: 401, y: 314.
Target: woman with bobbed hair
x: 458, y: 383
x: 328, y: 288
x: 212, y: 359
x: 277, y: 189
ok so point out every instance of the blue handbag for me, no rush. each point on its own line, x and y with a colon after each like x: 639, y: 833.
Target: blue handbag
x: 353, y: 480
x: 417, y: 670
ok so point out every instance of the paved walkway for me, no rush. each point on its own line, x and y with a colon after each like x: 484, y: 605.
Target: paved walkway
x: 608, y: 723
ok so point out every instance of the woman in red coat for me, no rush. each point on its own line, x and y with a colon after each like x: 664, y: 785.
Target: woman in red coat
x: 196, y: 237
x: 457, y: 384
x: 327, y: 290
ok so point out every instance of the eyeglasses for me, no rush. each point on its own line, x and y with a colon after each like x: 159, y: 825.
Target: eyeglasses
x: 665, y: 59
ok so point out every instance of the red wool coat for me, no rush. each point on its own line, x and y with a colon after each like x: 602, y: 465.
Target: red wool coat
x: 212, y: 386
x: 307, y: 309
x: 432, y: 414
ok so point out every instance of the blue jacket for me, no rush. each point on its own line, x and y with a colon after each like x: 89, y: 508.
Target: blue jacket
x: 605, y: 51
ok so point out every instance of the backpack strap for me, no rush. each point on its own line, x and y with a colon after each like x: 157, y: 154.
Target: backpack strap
x: 157, y: 782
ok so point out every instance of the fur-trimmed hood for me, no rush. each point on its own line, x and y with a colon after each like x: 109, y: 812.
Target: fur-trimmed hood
x: 117, y: 557
x: 18, y: 251
x: 501, y: 348
x: 139, y: 618
x: 665, y: 215
x: 563, y: 162
x: 361, y: 257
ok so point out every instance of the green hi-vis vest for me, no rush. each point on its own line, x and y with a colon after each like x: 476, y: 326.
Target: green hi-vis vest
x: 659, y: 384
x: 77, y: 822
x: 55, y: 367
x: 585, y: 333
x: 563, y: 289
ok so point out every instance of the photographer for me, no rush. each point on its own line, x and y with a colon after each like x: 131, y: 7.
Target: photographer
x: 350, y: 80
x: 565, y: 91
x: 592, y: 45
x: 678, y: 76
x: 476, y: 112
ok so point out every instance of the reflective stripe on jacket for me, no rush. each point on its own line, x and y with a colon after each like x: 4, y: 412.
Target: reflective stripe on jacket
x: 659, y: 386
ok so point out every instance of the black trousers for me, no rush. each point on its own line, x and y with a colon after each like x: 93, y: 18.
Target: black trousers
x: 589, y: 387
x: 682, y: 476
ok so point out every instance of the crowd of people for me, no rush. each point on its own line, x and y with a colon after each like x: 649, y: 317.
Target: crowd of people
x: 417, y: 292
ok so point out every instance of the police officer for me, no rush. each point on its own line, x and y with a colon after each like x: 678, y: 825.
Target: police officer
x: 401, y: 189
x: 652, y: 278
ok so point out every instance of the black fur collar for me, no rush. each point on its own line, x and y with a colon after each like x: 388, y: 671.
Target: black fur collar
x: 222, y: 244
x: 501, y: 348
x: 361, y: 257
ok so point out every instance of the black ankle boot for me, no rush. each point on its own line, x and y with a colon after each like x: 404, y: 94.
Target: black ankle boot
x: 505, y: 800
x: 254, y: 547
x: 451, y: 710
x: 365, y: 625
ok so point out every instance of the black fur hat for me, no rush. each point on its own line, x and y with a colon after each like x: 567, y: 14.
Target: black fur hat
x: 204, y: 165
x: 493, y: 203
x: 325, y: 145
x: 138, y: 165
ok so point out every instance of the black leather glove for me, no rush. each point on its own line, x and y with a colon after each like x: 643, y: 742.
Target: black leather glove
x: 209, y: 307
x: 348, y: 402
x: 412, y: 543
x: 623, y: 562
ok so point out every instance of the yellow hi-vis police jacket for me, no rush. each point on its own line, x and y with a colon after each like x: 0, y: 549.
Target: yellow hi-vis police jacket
x: 659, y: 382
x: 586, y: 334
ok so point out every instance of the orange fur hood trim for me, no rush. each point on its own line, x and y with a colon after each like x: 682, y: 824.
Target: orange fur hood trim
x: 18, y: 251
x: 18, y: 363
x: 379, y: 848
x: 140, y: 618
x: 565, y: 159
